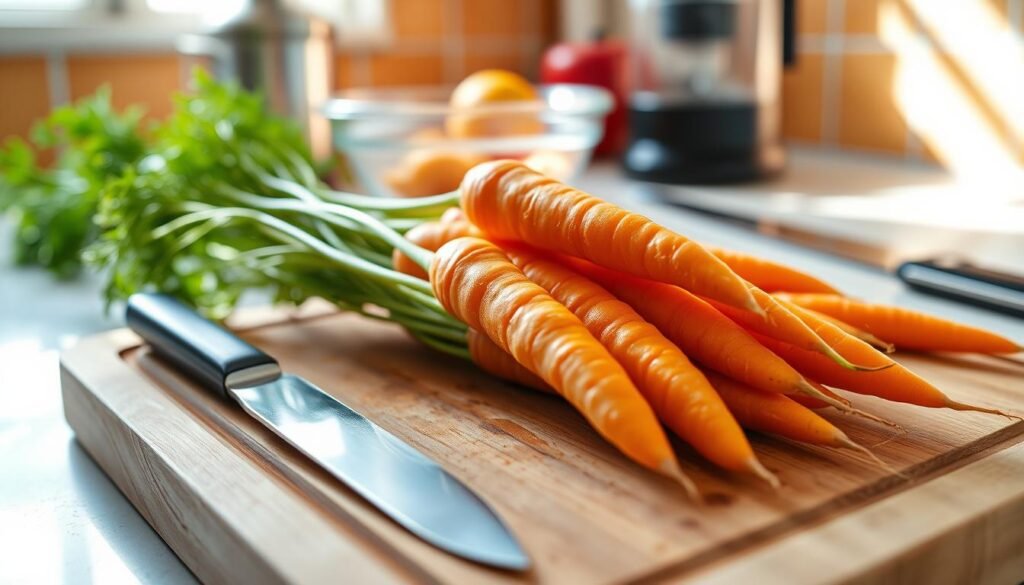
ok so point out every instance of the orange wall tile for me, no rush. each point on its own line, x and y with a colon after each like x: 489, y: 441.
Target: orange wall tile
x: 475, y: 61
x: 189, y: 63
x: 494, y: 18
x: 149, y: 80
x: 344, y: 76
x: 811, y: 16
x: 862, y: 16
x: 548, y: 17
x: 418, y: 19
x: 406, y: 69
x: 26, y: 95
x: 868, y: 114
x: 802, y: 98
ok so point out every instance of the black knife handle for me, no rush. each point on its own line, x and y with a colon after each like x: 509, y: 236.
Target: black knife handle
x: 205, y: 351
x: 968, y: 284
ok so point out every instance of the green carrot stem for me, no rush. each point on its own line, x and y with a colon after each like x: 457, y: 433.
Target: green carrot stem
x: 457, y: 350
x: 435, y: 331
x: 296, y: 234
x: 334, y: 211
x: 305, y: 172
x: 386, y: 204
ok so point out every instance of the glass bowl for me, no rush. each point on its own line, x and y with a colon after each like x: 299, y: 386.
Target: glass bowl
x: 408, y: 142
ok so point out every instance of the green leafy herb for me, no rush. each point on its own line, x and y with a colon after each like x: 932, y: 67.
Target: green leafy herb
x: 219, y: 199
x: 226, y: 200
x: 53, y: 208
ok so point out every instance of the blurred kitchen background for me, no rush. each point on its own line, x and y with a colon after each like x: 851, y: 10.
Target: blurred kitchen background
x: 931, y: 81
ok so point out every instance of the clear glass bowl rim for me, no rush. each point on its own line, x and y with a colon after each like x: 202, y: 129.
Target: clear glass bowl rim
x: 432, y: 101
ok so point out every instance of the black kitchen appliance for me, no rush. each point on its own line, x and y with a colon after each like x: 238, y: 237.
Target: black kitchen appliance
x: 705, y: 89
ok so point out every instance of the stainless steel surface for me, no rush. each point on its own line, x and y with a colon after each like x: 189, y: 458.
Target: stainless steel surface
x: 405, y: 484
x: 287, y: 55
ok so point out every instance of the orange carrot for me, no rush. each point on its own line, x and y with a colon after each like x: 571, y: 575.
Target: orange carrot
x: 847, y: 345
x: 777, y: 414
x: 860, y: 334
x: 700, y: 331
x: 495, y: 361
x: 677, y: 391
x: 453, y: 214
x: 816, y: 404
x: 430, y: 236
x: 896, y: 383
x: 807, y: 401
x: 509, y: 201
x: 477, y: 283
x: 771, y: 276
x: 778, y: 319
x: 781, y: 323
x: 905, y: 328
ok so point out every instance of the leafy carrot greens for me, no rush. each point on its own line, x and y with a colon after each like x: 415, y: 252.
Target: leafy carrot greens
x: 219, y: 198
x: 52, y: 208
x: 227, y: 200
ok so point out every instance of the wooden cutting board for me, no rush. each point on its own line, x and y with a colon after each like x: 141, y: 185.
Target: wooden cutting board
x: 238, y: 505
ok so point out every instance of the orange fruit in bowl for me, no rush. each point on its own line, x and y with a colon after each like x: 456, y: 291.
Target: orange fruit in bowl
x: 492, y: 87
x: 430, y: 172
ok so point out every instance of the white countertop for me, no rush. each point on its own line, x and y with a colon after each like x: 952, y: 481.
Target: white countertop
x: 63, y: 521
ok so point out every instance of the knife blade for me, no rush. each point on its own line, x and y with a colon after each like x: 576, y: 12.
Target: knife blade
x: 403, y: 483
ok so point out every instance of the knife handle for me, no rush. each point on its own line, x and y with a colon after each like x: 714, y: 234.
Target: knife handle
x: 968, y: 284
x: 208, y: 353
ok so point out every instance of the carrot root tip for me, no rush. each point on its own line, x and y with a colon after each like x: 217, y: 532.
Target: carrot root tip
x: 842, y: 440
x: 671, y: 469
x: 809, y: 390
x: 972, y: 408
x: 757, y: 468
x: 867, y: 415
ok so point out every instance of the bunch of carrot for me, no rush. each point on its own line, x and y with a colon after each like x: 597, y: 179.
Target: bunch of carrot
x: 636, y: 325
x: 537, y: 282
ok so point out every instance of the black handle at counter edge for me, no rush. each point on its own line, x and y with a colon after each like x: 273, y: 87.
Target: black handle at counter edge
x: 963, y: 287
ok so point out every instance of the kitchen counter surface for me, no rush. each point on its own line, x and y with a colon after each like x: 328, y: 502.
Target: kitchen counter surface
x: 62, y: 520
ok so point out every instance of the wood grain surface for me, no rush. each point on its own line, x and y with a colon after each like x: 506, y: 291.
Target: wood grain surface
x: 239, y: 505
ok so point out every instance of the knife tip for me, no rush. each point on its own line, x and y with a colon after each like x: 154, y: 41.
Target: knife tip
x: 512, y: 558
x: 503, y: 553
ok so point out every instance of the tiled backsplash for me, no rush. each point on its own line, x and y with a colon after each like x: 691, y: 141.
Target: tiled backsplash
x: 442, y: 41
x: 915, y: 78
x: 866, y: 77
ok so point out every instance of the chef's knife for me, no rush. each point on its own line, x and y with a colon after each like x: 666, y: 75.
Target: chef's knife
x: 400, y: 481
